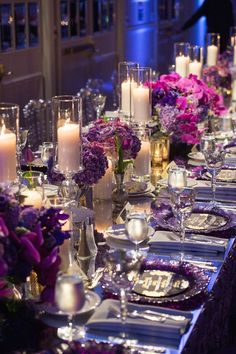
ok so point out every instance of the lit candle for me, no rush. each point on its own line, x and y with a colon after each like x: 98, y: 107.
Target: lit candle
x: 32, y: 197
x: 195, y: 68
x: 69, y: 146
x: 103, y: 189
x: 182, y: 65
x: 142, y: 162
x: 141, y: 101
x: 127, y: 87
x: 235, y: 55
x: 212, y: 54
x: 7, y: 155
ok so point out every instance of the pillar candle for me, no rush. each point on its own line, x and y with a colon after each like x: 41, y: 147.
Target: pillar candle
x: 7, y: 156
x: 142, y: 162
x: 181, y: 65
x: 195, y: 68
x: 103, y: 189
x: 69, y: 147
x: 141, y: 104
x: 127, y: 87
x: 212, y: 53
x: 33, y: 197
x: 235, y: 55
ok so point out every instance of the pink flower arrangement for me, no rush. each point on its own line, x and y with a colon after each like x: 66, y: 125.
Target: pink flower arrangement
x: 182, y: 103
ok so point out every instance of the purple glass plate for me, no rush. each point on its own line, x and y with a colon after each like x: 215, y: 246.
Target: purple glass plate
x: 163, y: 218
x: 191, y: 298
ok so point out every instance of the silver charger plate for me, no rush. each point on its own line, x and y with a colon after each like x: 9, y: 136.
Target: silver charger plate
x: 205, y: 221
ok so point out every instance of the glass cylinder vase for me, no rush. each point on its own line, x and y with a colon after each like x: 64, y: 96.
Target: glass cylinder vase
x: 9, y: 136
x: 142, y: 163
x: 67, y: 140
x: 181, y: 55
x: 141, y: 95
x: 195, y: 61
x: 213, y: 45
x: 125, y: 88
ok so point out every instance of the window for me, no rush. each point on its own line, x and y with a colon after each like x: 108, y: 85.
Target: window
x: 73, y: 18
x: 102, y: 15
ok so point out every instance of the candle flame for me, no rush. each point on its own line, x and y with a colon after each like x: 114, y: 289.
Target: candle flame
x: 3, y: 128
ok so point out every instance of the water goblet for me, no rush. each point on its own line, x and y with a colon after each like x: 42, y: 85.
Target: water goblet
x: 136, y: 226
x: 70, y: 298
x: 98, y: 101
x: 182, y: 206
x: 177, y: 178
x: 214, y: 155
x: 121, y: 272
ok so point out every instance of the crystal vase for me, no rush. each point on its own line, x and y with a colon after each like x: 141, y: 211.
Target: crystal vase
x: 119, y: 195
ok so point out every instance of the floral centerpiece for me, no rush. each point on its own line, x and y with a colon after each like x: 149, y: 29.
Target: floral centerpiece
x: 182, y: 103
x: 117, y: 138
x: 29, y: 241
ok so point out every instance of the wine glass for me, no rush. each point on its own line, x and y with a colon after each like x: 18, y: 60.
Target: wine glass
x: 47, y: 151
x: 136, y: 226
x: 177, y: 178
x: 214, y: 155
x: 98, y: 101
x: 70, y: 298
x: 121, y: 271
x: 182, y: 205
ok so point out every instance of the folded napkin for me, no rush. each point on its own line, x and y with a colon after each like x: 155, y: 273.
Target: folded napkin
x: 105, y: 319
x: 116, y: 237
x: 167, y: 240
x: 224, y: 191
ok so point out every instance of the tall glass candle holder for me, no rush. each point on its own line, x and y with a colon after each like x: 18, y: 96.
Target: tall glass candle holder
x: 9, y: 135
x: 142, y: 163
x: 67, y: 123
x: 195, y: 63
x: 233, y: 46
x: 141, y: 95
x: 213, y: 45
x: 181, y: 54
x: 125, y: 87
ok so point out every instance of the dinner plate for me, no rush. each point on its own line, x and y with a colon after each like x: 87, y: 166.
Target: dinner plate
x: 190, y: 182
x: 225, y: 175
x: 136, y: 189
x: 92, y: 300
x: 197, y: 282
x: 204, y: 218
x: 196, y: 156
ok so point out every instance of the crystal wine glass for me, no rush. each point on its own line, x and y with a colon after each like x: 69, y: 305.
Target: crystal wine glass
x: 98, y: 101
x: 70, y: 298
x: 122, y: 270
x: 136, y: 226
x: 177, y: 178
x: 182, y: 205
x: 214, y: 155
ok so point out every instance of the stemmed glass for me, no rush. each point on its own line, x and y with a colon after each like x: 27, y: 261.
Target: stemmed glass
x: 98, y: 101
x: 177, y: 178
x: 70, y: 298
x: 136, y: 226
x: 215, y: 157
x: 182, y: 205
x: 122, y: 270
x: 47, y: 151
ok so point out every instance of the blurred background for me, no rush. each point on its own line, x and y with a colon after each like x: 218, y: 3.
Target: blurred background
x: 51, y: 47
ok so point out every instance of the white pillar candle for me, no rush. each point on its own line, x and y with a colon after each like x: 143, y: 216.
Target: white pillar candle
x: 142, y: 162
x: 7, y: 156
x: 181, y: 65
x: 142, y: 111
x: 212, y: 54
x: 234, y: 91
x: 127, y: 87
x: 32, y: 197
x: 235, y: 55
x: 69, y: 147
x: 103, y: 189
x: 195, y: 68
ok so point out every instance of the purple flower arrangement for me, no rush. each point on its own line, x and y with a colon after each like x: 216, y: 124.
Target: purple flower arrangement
x: 117, y: 138
x: 29, y: 240
x: 182, y: 103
